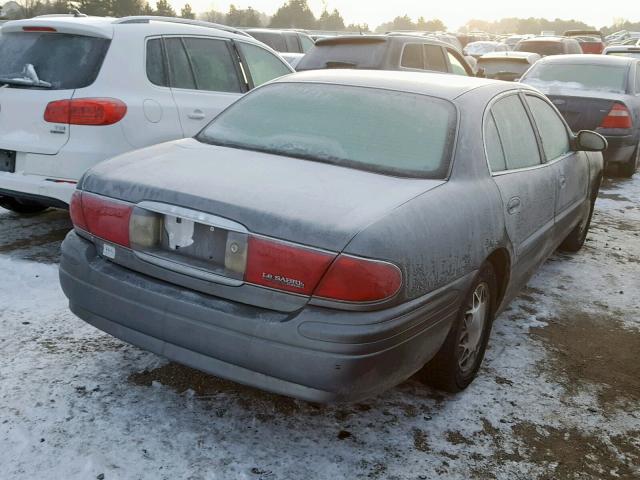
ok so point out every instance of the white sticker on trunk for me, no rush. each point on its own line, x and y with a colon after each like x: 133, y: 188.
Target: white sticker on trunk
x: 109, y: 251
x: 179, y: 231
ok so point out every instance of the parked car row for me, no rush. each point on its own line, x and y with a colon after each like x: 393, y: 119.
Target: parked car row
x: 277, y: 228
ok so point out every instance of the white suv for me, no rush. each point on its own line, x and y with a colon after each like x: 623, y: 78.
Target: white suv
x: 76, y: 90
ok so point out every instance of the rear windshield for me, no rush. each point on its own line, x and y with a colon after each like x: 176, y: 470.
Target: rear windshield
x: 540, y: 47
x: 584, y: 77
x: 364, y: 128
x: 344, y: 55
x: 625, y: 54
x: 503, y: 65
x: 61, y: 60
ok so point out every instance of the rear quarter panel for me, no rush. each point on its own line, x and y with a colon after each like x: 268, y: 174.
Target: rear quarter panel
x: 450, y: 231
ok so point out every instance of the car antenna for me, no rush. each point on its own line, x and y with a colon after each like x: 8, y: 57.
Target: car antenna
x: 76, y: 13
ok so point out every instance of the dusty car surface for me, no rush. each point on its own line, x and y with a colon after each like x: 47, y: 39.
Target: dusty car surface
x: 385, y: 52
x: 478, y: 49
x: 596, y: 92
x: 331, y: 256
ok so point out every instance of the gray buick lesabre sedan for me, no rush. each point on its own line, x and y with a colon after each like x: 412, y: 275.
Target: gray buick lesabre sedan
x: 333, y: 232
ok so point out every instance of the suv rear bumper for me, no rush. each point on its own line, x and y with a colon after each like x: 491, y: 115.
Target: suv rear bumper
x: 315, y: 354
x: 51, y: 192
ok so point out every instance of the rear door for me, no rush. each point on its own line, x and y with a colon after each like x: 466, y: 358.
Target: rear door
x: 572, y: 167
x: 62, y: 62
x: 526, y: 184
x: 205, y: 78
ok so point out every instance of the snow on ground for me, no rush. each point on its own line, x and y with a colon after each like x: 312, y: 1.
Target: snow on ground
x: 558, y: 395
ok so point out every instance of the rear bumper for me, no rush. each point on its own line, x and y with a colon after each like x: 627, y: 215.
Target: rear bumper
x: 34, y: 187
x: 621, y: 147
x: 315, y: 354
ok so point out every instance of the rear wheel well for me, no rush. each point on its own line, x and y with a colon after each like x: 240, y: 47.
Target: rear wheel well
x: 501, y: 262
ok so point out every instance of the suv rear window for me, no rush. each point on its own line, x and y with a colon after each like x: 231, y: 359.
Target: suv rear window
x: 344, y: 55
x: 540, y: 47
x: 370, y: 129
x: 65, y: 61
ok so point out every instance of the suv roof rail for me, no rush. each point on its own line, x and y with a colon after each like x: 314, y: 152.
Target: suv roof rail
x: 187, y: 21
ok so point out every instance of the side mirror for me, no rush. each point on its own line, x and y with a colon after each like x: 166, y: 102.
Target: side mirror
x: 588, y: 141
x: 480, y: 73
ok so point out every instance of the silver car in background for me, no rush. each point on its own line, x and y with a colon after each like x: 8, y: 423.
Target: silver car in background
x: 333, y: 232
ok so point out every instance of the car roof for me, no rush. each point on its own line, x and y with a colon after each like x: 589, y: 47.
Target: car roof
x: 104, y: 26
x: 439, y: 85
x: 587, y: 59
x: 373, y: 39
x: 622, y: 48
x: 518, y: 55
x: 546, y: 39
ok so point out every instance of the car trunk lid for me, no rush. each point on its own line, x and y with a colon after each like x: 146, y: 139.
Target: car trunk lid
x: 300, y: 201
x: 582, y: 112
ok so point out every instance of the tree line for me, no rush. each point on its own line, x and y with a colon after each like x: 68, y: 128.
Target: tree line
x: 297, y: 14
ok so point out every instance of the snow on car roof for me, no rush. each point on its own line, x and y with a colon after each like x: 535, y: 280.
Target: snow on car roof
x: 439, y: 85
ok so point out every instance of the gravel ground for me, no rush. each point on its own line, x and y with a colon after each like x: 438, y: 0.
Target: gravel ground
x: 558, y: 396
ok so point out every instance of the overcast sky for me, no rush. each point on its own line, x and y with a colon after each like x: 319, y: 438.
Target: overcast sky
x: 453, y: 14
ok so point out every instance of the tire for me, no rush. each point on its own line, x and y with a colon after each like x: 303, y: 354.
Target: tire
x: 21, y: 206
x: 627, y: 170
x: 575, y: 240
x: 448, y: 370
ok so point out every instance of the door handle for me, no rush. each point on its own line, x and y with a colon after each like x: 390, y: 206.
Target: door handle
x: 513, y: 206
x: 196, y: 115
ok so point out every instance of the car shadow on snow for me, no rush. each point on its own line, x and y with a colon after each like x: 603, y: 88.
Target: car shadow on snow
x: 33, y: 237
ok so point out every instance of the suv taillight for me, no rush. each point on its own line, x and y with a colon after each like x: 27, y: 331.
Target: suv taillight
x: 618, y: 117
x: 101, y: 216
x: 86, y: 111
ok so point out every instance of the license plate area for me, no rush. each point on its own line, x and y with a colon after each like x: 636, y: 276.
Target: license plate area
x: 7, y: 161
x: 190, y: 242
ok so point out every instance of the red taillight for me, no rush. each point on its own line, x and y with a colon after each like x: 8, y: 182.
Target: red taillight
x: 86, y: 111
x: 75, y: 211
x: 618, y: 117
x: 38, y: 29
x: 354, y: 279
x: 284, y: 266
x: 105, y: 218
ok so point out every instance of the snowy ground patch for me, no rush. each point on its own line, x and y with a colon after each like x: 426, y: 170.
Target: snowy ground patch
x: 557, y: 396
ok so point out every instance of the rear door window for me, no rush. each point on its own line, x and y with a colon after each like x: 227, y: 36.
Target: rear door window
x: 554, y: 135
x: 306, y: 42
x: 291, y: 39
x: 274, y: 39
x: 61, y: 60
x: 434, y: 58
x: 179, y: 66
x: 263, y: 65
x: 516, y: 133
x: 412, y: 56
x: 492, y: 142
x: 213, y: 65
